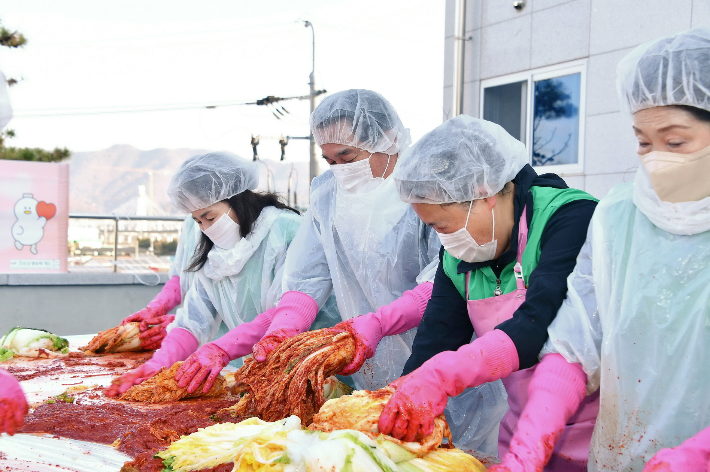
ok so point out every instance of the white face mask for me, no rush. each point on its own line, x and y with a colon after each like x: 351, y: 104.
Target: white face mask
x: 679, y: 177
x: 356, y: 177
x: 461, y: 244
x: 224, y: 232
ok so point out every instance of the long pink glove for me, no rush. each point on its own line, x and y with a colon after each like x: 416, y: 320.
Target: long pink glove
x: 177, y: 345
x: 154, y: 318
x: 294, y: 315
x: 399, y: 316
x: 554, y: 394
x: 211, y: 358
x: 421, y: 396
x: 691, y: 456
x: 13, y: 406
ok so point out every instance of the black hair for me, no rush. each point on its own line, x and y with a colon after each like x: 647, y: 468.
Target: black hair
x: 506, y: 191
x: 247, y: 207
x: 699, y: 114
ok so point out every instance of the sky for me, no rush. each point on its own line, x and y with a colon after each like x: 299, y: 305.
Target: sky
x: 87, y: 55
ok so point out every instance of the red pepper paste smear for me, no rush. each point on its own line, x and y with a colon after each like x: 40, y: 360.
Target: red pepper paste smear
x: 28, y: 370
x: 142, y: 431
x: 145, y: 462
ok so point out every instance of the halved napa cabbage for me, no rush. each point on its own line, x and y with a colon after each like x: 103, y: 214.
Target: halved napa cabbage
x: 346, y: 451
x: 282, y: 446
x: 334, y: 388
x: 442, y: 460
x: 29, y: 342
x: 223, y: 443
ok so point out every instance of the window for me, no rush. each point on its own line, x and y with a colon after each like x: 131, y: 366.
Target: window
x: 506, y: 105
x: 544, y: 109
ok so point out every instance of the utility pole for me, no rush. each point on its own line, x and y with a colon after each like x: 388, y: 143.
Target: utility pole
x: 459, y: 56
x: 312, y: 98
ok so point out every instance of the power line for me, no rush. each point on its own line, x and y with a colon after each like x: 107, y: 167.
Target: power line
x: 111, y: 111
x: 268, y: 101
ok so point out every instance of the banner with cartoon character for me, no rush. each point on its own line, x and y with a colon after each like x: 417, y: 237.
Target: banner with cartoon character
x: 34, y: 216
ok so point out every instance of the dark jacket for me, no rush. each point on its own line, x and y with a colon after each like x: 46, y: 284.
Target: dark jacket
x: 446, y: 326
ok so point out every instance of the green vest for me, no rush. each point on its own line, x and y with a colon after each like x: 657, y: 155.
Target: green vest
x: 483, y: 282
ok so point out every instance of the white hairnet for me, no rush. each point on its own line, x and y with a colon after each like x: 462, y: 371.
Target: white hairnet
x: 359, y: 118
x: 674, y: 70
x: 206, y: 179
x: 462, y: 159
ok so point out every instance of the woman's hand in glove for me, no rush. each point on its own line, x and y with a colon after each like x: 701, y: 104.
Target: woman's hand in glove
x: 202, y: 366
x: 13, y: 406
x: 154, y: 318
x: 120, y: 385
x: 153, y: 324
x: 691, y: 456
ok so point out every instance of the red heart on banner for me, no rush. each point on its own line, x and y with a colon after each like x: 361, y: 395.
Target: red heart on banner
x: 48, y: 210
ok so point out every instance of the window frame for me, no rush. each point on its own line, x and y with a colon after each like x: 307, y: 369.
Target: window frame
x: 543, y: 73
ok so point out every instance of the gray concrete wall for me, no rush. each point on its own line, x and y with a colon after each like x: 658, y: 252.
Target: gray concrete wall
x: 67, y: 304
x: 548, y: 32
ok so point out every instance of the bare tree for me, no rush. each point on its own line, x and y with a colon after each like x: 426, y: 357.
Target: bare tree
x: 551, y: 102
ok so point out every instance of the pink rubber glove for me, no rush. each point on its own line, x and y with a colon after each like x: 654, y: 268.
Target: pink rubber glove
x: 177, y: 345
x: 294, y: 315
x: 13, y: 406
x: 154, y: 319
x: 421, y: 396
x: 399, y: 316
x: 691, y: 456
x: 211, y: 358
x: 554, y: 394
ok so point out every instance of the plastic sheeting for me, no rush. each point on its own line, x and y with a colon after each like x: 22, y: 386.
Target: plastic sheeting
x: 236, y: 285
x: 44, y: 453
x: 41, y: 388
x: 35, y: 453
x: 636, y: 319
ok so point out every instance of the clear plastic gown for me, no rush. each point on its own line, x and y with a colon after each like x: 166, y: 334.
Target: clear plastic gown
x: 235, y: 286
x: 637, y: 318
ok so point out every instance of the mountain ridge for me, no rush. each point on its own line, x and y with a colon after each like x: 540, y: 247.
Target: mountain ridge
x: 101, y: 181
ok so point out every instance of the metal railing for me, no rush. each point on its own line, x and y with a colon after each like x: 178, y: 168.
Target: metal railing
x: 117, y: 219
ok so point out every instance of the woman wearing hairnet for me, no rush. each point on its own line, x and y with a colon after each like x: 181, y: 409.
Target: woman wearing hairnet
x: 510, y: 239
x: 634, y: 326
x: 238, y: 268
x: 154, y: 318
x: 361, y: 242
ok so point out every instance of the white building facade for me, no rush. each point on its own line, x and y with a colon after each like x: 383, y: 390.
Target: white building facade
x: 545, y: 70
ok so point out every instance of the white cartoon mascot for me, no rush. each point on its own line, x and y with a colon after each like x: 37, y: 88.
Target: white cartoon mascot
x: 31, y: 216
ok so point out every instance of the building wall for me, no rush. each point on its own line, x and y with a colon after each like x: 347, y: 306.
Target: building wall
x: 504, y: 40
x: 67, y: 304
